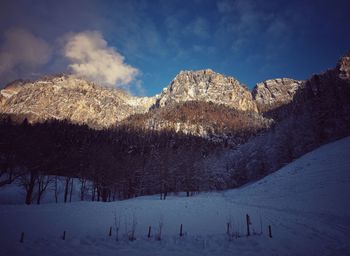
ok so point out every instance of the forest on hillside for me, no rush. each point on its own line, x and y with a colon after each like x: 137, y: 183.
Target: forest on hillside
x: 121, y: 163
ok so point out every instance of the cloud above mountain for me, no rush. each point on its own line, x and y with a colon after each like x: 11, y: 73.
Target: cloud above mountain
x: 85, y: 54
x: 151, y: 41
x: 90, y: 57
x: 21, y: 52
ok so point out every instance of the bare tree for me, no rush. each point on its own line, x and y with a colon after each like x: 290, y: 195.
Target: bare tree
x: 42, y: 183
x: 56, y: 188
x: 83, y: 187
x: 27, y: 181
x: 66, y: 188
x: 71, y: 190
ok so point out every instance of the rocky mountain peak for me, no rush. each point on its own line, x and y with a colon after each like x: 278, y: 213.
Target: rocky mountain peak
x: 208, y: 86
x: 273, y: 93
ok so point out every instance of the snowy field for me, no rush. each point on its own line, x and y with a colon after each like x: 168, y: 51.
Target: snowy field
x: 307, y: 204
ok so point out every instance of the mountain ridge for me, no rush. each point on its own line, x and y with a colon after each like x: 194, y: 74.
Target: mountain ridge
x: 65, y: 97
x: 40, y: 98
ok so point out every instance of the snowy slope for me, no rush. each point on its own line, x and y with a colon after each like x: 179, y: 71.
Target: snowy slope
x: 317, y: 182
x: 306, y: 203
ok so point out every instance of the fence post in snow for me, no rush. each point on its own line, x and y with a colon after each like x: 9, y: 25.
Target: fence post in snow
x: 248, y: 223
x: 228, y: 228
x: 149, y: 232
x: 22, y: 238
x: 64, y: 235
x: 270, y: 231
x: 132, y: 236
x: 181, y: 234
x: 110, y: 231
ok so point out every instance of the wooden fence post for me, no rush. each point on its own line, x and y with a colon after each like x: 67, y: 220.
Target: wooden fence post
x: 181, y: 234
x: 149, y: 232
x: 64, y: 235
x: 248, y: 223
x: 22, y: 238
x: 110, y: 231
x: 228, y: 229
x: 270, y: 231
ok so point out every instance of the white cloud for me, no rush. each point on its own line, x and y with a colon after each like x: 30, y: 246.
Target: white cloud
x: 22, y: 52
x: 90, y: 57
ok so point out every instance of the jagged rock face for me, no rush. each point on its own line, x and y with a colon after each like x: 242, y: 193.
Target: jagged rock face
x: 208, y: 86
x: 11, y: 89
x: 343, y: 67
x: 273, y: 93
x: 66, y: 97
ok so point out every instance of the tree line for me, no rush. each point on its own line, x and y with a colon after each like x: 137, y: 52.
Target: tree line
x: 120, y: 163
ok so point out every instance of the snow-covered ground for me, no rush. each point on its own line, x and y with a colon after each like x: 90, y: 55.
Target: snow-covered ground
x: 307, y: 204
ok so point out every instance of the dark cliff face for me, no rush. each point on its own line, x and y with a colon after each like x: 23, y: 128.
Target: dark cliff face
x: 322, y: 102
x: 279, y: 98
x: 327, y: 95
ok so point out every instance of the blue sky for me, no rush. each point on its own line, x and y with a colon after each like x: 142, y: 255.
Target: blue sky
x: 153, y: 40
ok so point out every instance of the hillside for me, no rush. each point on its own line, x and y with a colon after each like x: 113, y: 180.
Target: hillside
x: 317, y: 182
x: 203, y: 119
x: 305, y: 202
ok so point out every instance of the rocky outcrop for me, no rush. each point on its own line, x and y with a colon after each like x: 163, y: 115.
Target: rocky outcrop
x: 274, y: 93
x: 343, y: 67
x: 208, y: 86
x: 12, y: 89
x: 66, y: 97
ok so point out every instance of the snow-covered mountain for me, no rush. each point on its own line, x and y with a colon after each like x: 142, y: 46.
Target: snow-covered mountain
x: 305, y: 203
